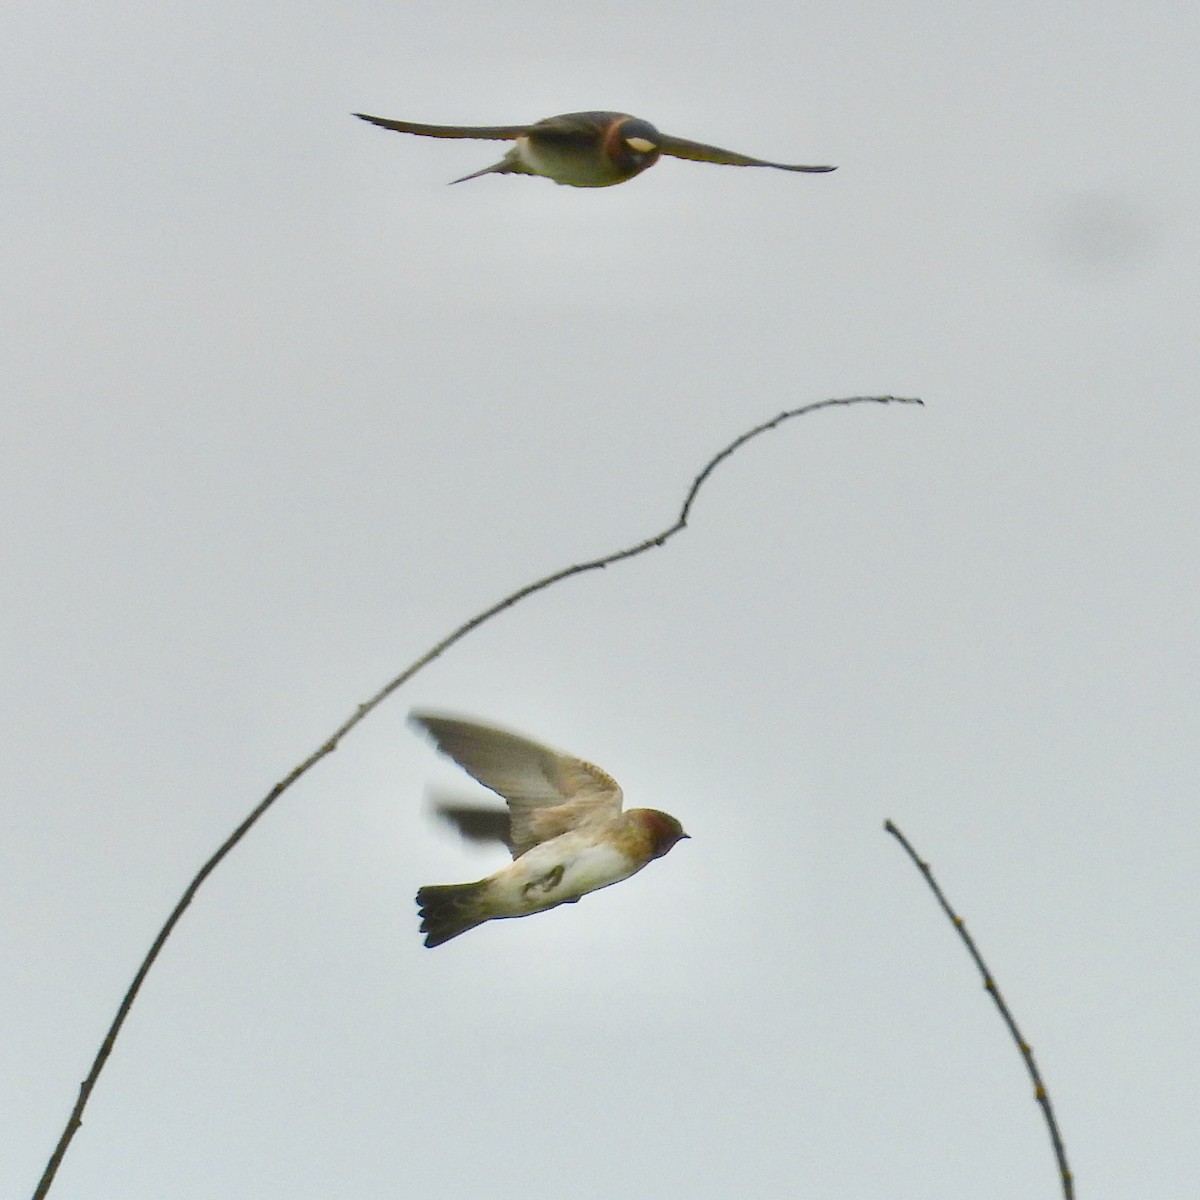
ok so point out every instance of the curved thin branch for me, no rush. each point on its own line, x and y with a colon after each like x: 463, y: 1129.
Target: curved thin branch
x: 331, y: 744
x: 1040, y: 1094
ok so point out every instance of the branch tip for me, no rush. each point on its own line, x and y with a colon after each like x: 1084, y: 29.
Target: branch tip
x: 1041, y: 1095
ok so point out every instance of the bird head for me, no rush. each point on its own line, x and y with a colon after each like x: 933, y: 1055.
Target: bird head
x: 633, y: 145
x: 663, y: 829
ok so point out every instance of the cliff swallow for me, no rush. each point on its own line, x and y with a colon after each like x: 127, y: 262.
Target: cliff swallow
x: 587, y: 149
x: 567, y: 833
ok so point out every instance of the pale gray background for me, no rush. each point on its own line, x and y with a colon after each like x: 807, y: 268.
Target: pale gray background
x: 281, y: 409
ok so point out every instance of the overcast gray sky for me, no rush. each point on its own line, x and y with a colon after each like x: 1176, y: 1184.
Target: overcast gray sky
x: 282, y: 409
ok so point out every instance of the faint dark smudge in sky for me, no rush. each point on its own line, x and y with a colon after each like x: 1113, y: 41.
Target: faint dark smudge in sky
x: 1098, y: 233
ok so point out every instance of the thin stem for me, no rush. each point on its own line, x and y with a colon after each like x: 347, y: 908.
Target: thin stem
x: 1040, y: 1094
x: 331, y: 744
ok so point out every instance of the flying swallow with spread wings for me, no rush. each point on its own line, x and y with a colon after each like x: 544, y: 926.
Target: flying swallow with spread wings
x: 585, y: 149
x: 567, y: 832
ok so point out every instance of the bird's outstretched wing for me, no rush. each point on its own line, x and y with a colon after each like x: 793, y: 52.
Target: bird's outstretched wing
x: 475, y: 822
x: 548, y: 792
x: 486, y: 133
x: 699, y: 152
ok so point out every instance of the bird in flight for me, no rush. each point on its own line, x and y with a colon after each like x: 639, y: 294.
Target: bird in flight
x: 567, y: 833
x: 586, y: 149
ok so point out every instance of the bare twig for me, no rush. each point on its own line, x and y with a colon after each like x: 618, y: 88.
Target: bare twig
x: 1039, y: 1088
x: 331, y: 744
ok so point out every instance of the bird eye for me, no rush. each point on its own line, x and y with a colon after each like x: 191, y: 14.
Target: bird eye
x: 641, y: 145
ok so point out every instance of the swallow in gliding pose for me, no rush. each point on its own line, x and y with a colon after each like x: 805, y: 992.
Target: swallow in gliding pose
x: 586, y: 149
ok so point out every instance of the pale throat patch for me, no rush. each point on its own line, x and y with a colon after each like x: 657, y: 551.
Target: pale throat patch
x: 640, y: 145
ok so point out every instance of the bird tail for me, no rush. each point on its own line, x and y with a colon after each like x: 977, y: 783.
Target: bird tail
x: 450, y: 909
x: 499, y: 168
x: 510, y: 164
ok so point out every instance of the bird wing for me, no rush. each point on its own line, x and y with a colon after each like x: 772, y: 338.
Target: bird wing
x: 487, y: 133
x: 699, y: 152
x: 547, y: 792
x: 475, y: 822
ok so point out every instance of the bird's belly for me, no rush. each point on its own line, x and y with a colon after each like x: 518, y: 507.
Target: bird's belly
x: 549, y: 875
x: 596, y: 867
x: 568, y: 164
